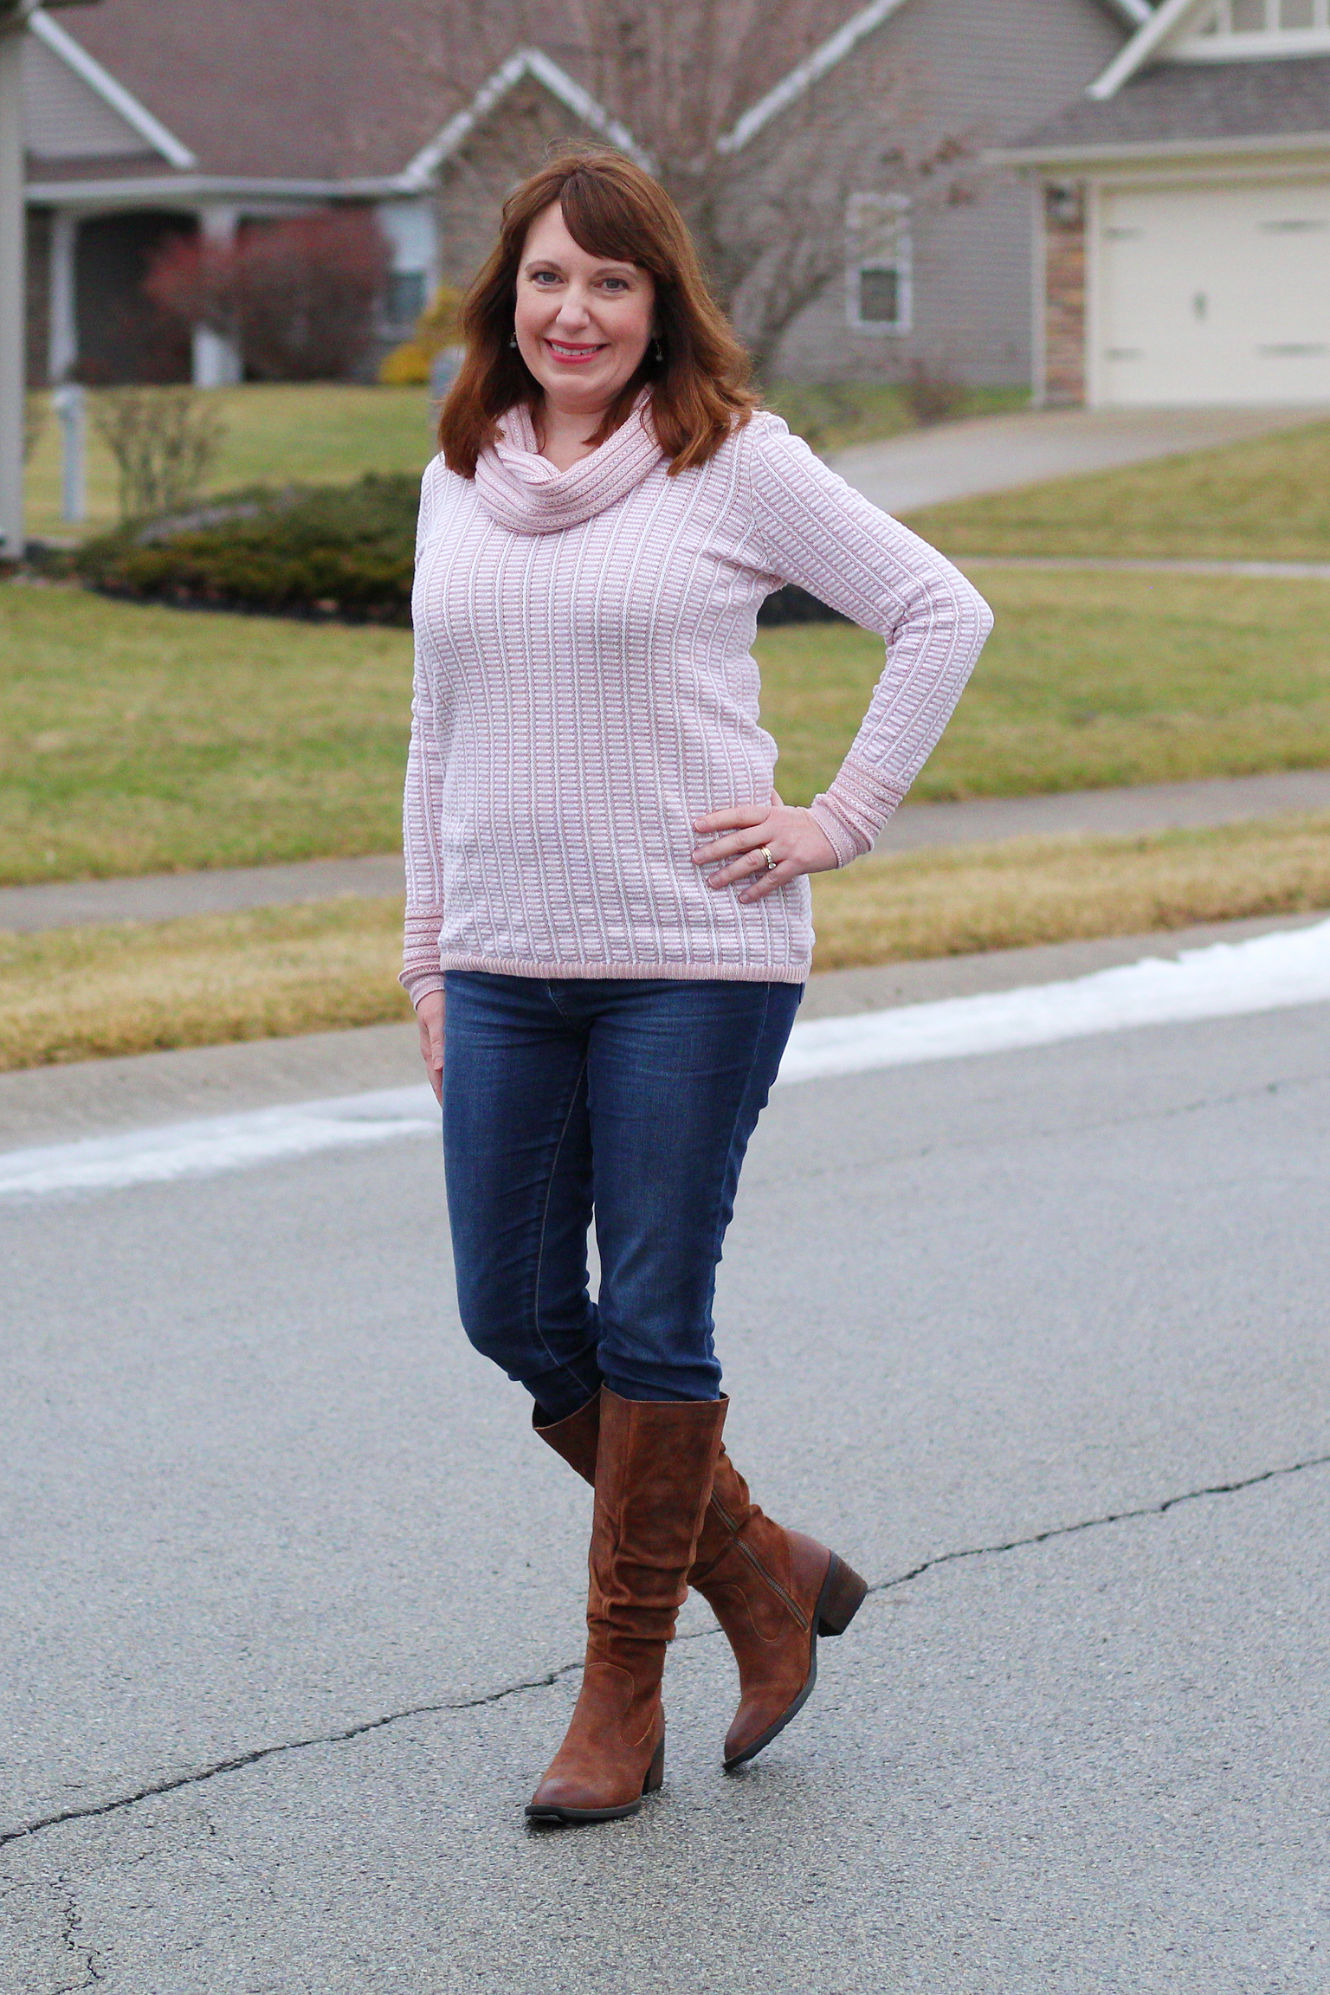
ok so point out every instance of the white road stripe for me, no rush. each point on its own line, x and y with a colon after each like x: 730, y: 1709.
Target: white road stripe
x: 1223, y: 981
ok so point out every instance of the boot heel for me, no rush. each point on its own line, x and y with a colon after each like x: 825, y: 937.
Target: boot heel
x: 656, y: 1770
x: 841, y: 1598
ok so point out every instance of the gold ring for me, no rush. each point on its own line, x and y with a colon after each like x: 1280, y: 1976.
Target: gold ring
x: 765, y: 850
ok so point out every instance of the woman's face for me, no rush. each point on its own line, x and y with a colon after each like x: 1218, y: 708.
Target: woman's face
x: 582, y: 321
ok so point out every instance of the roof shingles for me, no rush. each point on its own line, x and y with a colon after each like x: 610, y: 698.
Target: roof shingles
x: 1204, y: 102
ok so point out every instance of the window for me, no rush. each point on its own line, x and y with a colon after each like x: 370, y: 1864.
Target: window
x: 1233, y: 20
x: 404, y: 298
x: 878, y: 264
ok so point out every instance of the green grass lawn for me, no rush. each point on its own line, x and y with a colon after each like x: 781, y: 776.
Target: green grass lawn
x: 276, y: 434
x: 135, y: 738
x: 1264, y: 500
x: 329, y: 432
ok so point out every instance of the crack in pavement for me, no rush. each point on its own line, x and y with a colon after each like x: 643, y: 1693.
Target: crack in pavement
x: 1096, y: 1523
x: 80, y: 1952
x: 175, y: 1783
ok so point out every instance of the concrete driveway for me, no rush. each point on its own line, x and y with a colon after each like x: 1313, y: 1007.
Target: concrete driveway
x: 997, y: 453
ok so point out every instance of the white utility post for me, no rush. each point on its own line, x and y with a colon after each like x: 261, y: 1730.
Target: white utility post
x: 12, y: 258
x: 14, y: 16
x: 70, y: 401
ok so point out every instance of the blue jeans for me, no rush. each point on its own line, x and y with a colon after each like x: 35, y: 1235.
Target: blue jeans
x: 629, y: 1100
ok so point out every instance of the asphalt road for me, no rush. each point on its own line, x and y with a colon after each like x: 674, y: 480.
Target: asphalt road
x: 1037, y: 1339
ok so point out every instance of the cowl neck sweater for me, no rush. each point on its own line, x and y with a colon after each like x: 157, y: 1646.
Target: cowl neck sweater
x: 524, y: 492
x: 581, y: 697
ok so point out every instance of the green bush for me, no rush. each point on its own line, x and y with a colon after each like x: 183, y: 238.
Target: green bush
x: 341, y: 551
x: 344, y: 551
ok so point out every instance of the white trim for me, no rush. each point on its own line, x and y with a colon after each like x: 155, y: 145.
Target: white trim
x: 898, y: 256
x: 1216, y: 39
x: 1038, y: 296
x: 1164, y: 34
x: 1263, y: 47
x: 523, y: 62
x: 101, y: 80
x: 1094, y: 372
x: 1084, y: 158
x: 806, y: 73
x: 1140, y: 48
x: 186, y: 190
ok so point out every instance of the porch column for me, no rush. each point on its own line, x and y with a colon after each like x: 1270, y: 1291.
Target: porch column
x: 62, y: 337
x: 216, y: 358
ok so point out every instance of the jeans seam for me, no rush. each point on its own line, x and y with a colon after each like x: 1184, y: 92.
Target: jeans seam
x: 561, y: 1364
x: 717, y: 1235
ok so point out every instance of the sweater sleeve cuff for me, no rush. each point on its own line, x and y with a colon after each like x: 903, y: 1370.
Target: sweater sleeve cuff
x: 420, y: 984
x: 853, y: 810
x: 421, y: 970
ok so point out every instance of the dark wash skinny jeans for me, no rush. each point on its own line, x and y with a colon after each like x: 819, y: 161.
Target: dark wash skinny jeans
x: 631, y: 1099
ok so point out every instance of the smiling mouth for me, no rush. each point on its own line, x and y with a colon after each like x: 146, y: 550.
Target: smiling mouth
x: 573, y: 353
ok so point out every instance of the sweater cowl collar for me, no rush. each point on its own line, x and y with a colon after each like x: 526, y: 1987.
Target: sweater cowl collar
x: 523, y: 491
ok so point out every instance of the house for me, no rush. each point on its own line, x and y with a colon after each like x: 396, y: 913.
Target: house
x: 144, y: 122
x: 1186, y: 214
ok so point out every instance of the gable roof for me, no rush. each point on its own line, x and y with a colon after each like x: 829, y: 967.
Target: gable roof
x: 1152, y: 35
x: 843, y: 42
x: 1175, y: 22
x: 1191, y: 106
x: 522, y: 63
x: 342, y: 96
x: 109, y: 110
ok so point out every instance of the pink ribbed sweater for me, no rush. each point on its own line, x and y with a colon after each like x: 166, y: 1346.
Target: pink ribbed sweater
x: 585, y: 688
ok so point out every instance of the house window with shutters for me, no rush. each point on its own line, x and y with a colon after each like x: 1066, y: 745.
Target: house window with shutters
x: 878, y: 265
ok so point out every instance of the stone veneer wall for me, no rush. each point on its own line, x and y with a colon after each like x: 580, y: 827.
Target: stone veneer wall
x: 1064, y: 295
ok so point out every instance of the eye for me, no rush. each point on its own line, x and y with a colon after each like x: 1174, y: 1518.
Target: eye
x: 616, y: 284
x: 543, y: 277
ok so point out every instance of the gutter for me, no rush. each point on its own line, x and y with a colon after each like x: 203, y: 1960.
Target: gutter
x: 195, y: 187
x: 1131, y: 150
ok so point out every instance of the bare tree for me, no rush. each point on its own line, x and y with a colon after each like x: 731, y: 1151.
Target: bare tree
x: 759, y: 144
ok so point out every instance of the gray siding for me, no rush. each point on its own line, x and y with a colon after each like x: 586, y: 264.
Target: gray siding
x: 987, y: 70
x: 64, y: 118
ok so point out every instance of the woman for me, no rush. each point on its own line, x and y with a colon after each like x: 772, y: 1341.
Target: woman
x: 606, y: 891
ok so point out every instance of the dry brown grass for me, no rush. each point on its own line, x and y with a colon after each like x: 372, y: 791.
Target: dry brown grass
x: 1025, y: 891
x: 76, y: 994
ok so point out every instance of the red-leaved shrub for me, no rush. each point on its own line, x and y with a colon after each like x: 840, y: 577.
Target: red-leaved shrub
x: 298, y: 295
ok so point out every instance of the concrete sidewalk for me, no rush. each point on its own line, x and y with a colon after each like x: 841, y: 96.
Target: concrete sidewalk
x: 966, y: 460
x: 985, y: 820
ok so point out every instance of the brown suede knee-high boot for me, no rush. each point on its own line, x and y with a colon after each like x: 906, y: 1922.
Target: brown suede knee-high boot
x: 773, y: 1591
x: 652, y: 1476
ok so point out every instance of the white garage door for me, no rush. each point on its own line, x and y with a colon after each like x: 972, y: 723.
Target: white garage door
x: 1212, y: 294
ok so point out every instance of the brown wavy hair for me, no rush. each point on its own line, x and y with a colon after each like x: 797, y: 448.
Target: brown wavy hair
x: 611, y: 208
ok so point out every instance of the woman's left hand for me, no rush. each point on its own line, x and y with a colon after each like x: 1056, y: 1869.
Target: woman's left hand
x: 746, y: 833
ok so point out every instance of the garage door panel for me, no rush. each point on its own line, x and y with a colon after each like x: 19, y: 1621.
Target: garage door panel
x: 1213, y: 294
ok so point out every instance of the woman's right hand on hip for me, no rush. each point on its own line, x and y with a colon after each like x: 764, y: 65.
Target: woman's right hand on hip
x: 429, y: 1017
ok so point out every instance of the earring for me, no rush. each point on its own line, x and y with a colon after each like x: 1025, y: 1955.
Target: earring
x: 513, y: 340
x: 657, y: 351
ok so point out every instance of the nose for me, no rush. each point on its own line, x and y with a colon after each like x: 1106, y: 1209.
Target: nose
x: 572, y: 312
